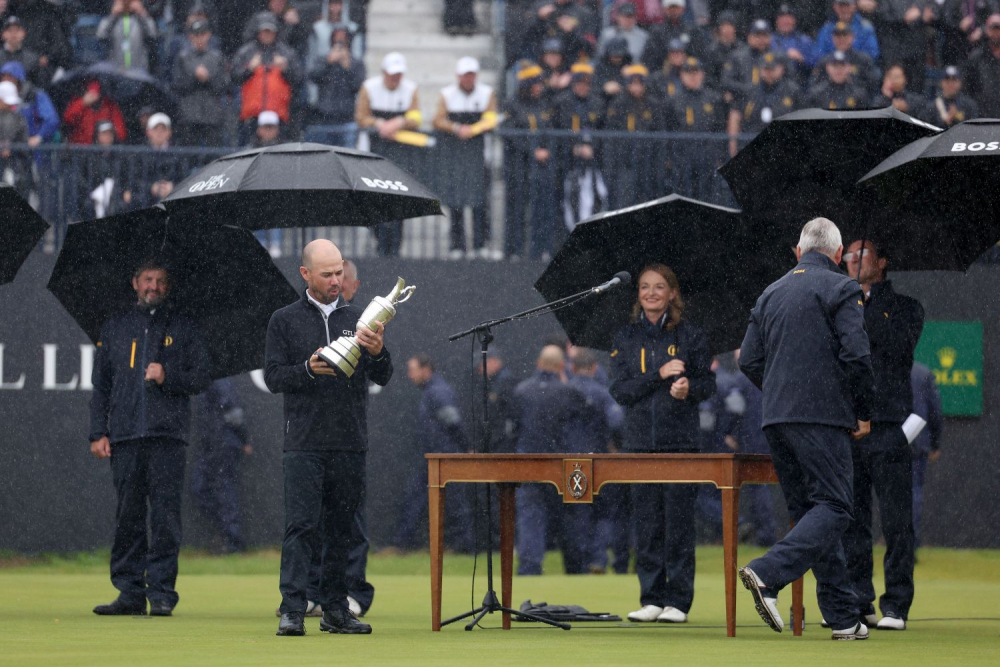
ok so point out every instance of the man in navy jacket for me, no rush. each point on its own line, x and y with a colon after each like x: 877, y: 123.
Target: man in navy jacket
x: 149, y: 362
x: 326, y: 437
x: 807, y: 349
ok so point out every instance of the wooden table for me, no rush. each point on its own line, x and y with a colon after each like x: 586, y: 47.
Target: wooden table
x: 579, y: 478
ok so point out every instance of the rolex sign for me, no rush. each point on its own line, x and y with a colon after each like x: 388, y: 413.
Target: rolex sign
x: 954, y: 353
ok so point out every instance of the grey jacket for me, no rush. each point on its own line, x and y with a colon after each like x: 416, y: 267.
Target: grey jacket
x: 200, y: 103
x: 129, y: 39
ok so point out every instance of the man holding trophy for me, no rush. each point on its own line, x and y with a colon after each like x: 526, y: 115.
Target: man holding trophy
x: 326, y: 431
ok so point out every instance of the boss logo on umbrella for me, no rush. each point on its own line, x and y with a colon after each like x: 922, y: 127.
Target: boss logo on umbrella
x: 214, y: 183
x: 385, y: 185
x: 975, y: 146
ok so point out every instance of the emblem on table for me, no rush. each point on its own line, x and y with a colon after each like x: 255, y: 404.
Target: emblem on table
x: 345, y: 352
x: 577, y: 482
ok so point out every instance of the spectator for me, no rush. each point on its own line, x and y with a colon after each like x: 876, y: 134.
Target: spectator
x: 901, y: 26
x: 333, y: 16
x: 773, y: 97
x: 983, y: 71
x: 555, y: 69
x: 36, y: 105
x: 951, y: 105
x: 625, y: 26
x: 14, y: 166
x: 465, y: 110
x: 725, y: 47
x: 83, y: 112
x: 608, y: 73
x: 837, y: 91
x: 797, y: 46
x: 696, y: 108
x: 268, y: 133
x: 529, y: 173
x: 158, y: 171
x: 663, y: 83
x: 14, y: 49
x: 338, y: 77
x: 634, y: 166
x: 927, y: 445
x: 581, y: 111
x: 291, y: 30
x: 268, y: 71
x: 864, y: 33
x: 459, y: 17
x: 743, y: 69
x: 200, y: 80
x: 962, y: 27
x: 864, y: 72
x: 105, y: 177
x: 129, y: 33
x: 48, y: 26
x: 563, y: 19
x: 894, y: 92
x: 675, y: 26
x: 180, y: 41
x: 387, y: 104
x: 648, y: 13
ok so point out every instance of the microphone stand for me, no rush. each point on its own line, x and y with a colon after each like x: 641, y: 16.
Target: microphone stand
x: 491, y: 604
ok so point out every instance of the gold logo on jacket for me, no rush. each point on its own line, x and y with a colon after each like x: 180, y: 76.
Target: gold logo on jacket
x: 168, y: 341
x: 672, y: 350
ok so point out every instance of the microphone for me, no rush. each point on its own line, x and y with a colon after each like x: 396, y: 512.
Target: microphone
x: 621, y: 278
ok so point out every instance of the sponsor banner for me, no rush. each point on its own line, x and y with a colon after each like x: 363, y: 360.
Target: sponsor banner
x: 954, y: 353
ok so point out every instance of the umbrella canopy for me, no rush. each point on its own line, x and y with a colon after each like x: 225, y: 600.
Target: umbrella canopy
x: 722, y: 268
x: 220, y: 277
x: 936, y: 198
x: 807, y: 163
x: 301, y: 185
x: 20, y: 230
x: 131, y: 89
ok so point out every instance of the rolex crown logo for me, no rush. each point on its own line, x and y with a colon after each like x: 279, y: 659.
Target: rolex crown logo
x: 946, y: 355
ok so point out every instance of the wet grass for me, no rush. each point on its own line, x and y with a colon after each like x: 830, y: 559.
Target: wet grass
x: 226, y: 616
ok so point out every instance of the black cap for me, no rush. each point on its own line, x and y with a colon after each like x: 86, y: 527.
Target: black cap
x: 616, y: 46
x: 760, y: 26
x: 772, y: 59
x: 626, y: 9
x: 552, y: 45
x: 728, y: 16
x: 952, y: 72
x: 199, y: 26
x: 12, y: 20
x: 676, y: 45
x: 842, y: 28
x: 691, y: 64
x: 786, y: 9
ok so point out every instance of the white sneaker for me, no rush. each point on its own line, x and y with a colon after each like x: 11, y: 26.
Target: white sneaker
x: 869, y: 619
x: 648, y: 614
x: 766, y: 605
x: 672, y: 615
x: 313, y: 609
x: 353, y: 606
x: 858, y: 631
x: 891, y: 622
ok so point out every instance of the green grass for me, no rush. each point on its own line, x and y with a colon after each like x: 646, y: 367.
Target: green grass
x: 226, y: 616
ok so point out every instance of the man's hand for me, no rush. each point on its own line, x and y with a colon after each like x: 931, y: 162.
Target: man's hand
x: 248, y: 449
x: 464, y: 132
x: 101, y: 448
x: 731, y: 443
x: 867, y: 6
x: 934, y: 455
x: 391, y: 126
x: 35, y: 140
x: 864, y: 428
x: 254, y: 62
x: 155, y: 373
x: 680, y: 388
x: 612, y: 88
x: 281, y: 62
x: 912, y: 15
x: 795, y: 55
x: 201, y: 73
x: 372, y: 340
x: 674, y: 367
x: 291, y: 16
x: 541, y: 155
x: 318, y: 366
x: 584, y: 151
x: 90, y: 98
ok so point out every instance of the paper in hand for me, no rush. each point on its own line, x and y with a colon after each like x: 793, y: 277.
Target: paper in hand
x: 912, y: 427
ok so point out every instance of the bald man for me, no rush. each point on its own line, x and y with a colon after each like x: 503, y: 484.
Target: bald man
x: 544, y: 406
x: 326, y: 437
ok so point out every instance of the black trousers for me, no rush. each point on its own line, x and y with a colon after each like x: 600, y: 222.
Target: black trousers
x: 148, y: 474
x: 883, y: 464
x: 323, y: 491
x: 358, y: 586
x: 813, y: 463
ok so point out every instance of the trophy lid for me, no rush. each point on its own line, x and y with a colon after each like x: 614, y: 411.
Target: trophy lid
x: 400, y: 290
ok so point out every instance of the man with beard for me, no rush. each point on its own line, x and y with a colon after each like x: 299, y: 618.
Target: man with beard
x: 149, y: 362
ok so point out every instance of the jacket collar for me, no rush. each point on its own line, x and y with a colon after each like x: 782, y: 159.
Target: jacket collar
x: 308, y: 302
x: 820, y: 260
x: 881, y: 289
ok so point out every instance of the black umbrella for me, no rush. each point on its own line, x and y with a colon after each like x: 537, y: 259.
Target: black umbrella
x: 935, y: 199
x: 301, y: 185
x: 220, y: 276
x: 20, y: 230
x: 131, y: 89
x: 722, y: 268
x: 807, y: 163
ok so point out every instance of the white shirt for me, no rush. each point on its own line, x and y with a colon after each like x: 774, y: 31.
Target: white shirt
x: 325, y: 308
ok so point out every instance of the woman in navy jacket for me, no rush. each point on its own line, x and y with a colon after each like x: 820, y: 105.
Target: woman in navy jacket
x: 662, y: 371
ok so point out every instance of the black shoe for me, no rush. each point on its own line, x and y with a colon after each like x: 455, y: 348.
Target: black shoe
x: 343, y: 622
x: 291, y: 625
x: 160, y: 609
x: 121, y: 608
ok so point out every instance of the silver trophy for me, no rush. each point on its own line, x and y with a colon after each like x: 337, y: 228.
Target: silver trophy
x: 345, y: 352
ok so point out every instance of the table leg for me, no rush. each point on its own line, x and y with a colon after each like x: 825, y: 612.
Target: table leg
x: 506, y: 493
x: 798, y: 619
x: 730, y: 544
x: 435, y: 515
